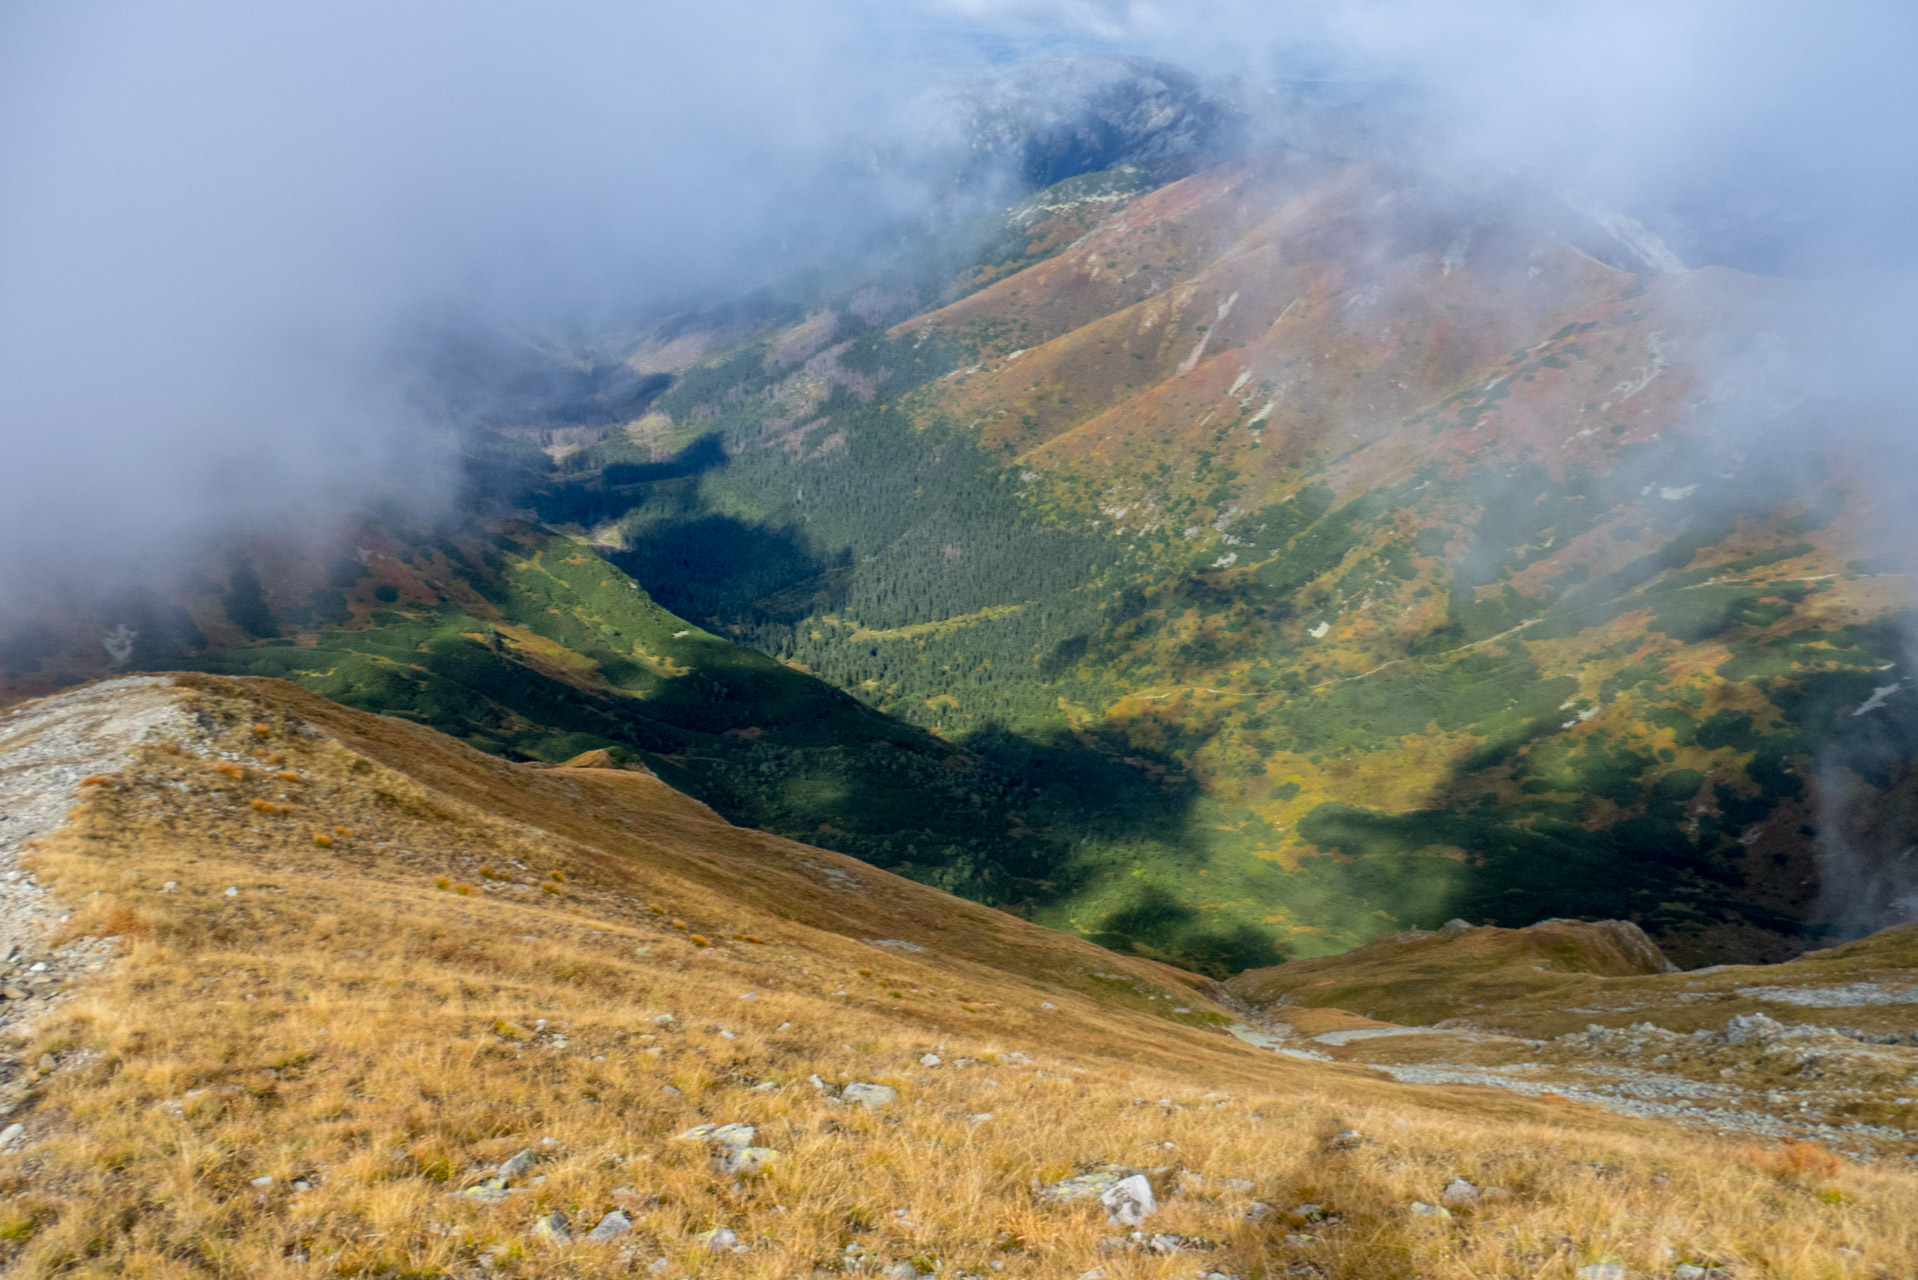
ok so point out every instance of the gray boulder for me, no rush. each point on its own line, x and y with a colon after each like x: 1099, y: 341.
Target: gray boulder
x: 1747, y: 1027
x: 739, y: 1160
x: 1089, y: 1186
x: 1129, y: 1201
x: 611, y: 1227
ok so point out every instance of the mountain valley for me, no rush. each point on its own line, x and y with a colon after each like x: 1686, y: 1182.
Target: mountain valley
x: 1234, y: 568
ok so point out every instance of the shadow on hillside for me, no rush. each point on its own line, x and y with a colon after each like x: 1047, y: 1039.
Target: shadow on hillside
x: 1674, y: 868
x: 592, y: 498
x: 1037, y: 825
x: 707, y: 567
x: 695, y: 561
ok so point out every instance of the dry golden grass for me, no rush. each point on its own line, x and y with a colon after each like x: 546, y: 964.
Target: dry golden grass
x: 1424, y: 977
x: 342, y: 1021
x: 1560, y: 976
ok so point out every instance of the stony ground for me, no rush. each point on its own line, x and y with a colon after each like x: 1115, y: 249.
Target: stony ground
x: 47, y: 751
x: 1854, y: 1090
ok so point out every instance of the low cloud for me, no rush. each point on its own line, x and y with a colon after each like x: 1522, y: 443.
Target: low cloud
x: 227, y: 229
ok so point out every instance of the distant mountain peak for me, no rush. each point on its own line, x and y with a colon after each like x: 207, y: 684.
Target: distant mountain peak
x: 1062, y: 117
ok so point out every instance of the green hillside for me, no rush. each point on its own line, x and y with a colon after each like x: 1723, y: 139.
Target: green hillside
x: 1409, y: 654
x: 531, y: 646
x: 1196, y: 568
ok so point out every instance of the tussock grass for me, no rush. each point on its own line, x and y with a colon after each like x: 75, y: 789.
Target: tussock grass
x: 343, y: 1022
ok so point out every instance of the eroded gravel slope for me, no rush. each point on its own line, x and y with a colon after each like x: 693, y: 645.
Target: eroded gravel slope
x: 46, y: 749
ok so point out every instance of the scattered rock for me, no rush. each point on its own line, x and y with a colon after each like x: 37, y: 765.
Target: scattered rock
x: 47, y: 1062
x: 1129, y: 1202
x: 1346, y: 1140
x: 261, y: 1184
x: 1162, y: 1243
x: 720, y: 1135
x: 733, y: 1136
x: 1089, y: 1186
x: 1604, y: 1269
x: 870, y: 1095
x: 930, y: 1060
x: 737, y: 1160
x: 611, y: 1227
x: 553, y: 1228
x: 1747, y: 1027
x: 1238, y: 1184
x: 15, y: 993
x: 718, y: 1238
x: 1422, y: 1210
x: 1258, y: 1211
x: 1458, y: 1193
x: 11, y: 1134
x: 516, y: 1164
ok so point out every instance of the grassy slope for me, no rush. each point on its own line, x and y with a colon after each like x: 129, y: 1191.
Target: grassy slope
x: 1559, y: 1004
x: 535, y: 647
x: 1393, y: 546
x: 1422, y: 978
x: 1557, y: 977
x: 366, y: 1017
